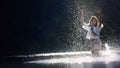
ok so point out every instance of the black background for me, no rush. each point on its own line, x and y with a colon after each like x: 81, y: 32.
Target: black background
x: 29, y: 26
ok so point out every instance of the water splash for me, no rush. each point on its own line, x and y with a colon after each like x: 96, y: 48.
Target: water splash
x: 74, y: 58
x: 107, y: 47
x: 76, y: 40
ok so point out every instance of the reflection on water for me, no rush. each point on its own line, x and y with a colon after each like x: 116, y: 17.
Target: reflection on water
x: 82, y: 59
x: 78, y: 60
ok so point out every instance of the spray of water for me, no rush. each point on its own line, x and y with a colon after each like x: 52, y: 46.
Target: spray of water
x: 76, y: 40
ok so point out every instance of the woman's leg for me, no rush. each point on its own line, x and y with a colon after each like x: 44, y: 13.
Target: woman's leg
x: 96, y: 46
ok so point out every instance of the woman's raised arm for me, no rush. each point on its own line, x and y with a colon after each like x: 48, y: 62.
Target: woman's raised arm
x: 82, y: 17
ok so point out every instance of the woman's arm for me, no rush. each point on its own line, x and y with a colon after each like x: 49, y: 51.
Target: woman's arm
x: 84, y: 25
x: 99, y: 15
x: 82, y: 17
x: 100, y: 21
x: 100, y: 24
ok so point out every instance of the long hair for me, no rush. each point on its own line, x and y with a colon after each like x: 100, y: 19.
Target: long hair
x: 94, y: 17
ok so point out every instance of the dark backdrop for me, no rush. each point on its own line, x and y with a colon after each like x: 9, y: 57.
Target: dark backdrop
x: 34, y: 26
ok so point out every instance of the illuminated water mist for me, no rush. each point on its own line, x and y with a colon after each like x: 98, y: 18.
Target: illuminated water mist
x: 76, y: 40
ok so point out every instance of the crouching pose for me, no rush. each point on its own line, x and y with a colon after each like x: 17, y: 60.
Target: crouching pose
x: 93, y: 27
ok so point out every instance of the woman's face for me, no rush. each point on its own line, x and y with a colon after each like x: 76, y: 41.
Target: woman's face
x: 93, y: 22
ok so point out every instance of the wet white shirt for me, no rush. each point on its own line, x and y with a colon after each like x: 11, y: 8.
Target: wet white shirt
x: 96, y: 30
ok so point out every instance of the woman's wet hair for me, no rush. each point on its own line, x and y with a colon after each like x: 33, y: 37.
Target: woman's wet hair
x: 93, y: 17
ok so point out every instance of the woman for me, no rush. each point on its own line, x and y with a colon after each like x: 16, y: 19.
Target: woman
x: 93, y: 27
